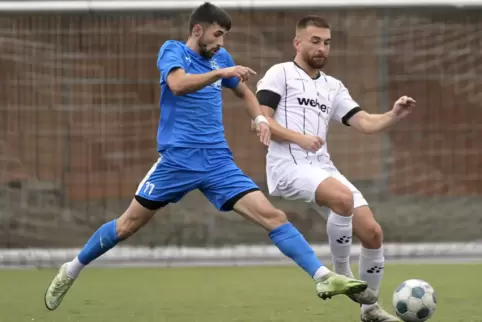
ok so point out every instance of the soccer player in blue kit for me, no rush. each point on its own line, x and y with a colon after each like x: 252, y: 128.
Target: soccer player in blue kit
x: 194, y: 155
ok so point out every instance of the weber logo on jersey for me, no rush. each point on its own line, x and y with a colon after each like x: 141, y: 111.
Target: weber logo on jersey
x: 303, y: 101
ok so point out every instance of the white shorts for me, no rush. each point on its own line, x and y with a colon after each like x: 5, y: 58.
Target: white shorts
x: 299, y: 181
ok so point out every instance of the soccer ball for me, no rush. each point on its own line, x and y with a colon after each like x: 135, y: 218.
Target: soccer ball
x: 414, y: 301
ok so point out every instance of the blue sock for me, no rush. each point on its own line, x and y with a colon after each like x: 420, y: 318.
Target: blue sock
x: 293, y: 245
x: 101, y: 241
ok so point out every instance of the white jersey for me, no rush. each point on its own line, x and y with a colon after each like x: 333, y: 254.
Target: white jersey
x: 307, y: 105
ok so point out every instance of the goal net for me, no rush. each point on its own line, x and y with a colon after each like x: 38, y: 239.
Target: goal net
x: 79, y: 111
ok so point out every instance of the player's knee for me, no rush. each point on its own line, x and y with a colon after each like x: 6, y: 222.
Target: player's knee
x: 272, y: 218
x: 126, y: 227
x: 373, y: 236
x: 131, y: 221
x: 342, y: 203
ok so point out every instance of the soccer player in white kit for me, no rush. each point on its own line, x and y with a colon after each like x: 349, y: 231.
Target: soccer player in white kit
x: 301, y: 100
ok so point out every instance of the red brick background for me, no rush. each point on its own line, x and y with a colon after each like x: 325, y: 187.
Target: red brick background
x: 79, y: 96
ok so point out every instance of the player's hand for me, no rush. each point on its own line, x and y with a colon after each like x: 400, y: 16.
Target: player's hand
x: 241, y: 72
x: 403, y: 106
x: 263, y: 132
x: 311, y: 143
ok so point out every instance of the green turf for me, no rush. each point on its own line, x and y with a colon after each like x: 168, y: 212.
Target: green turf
x: 254, y: 294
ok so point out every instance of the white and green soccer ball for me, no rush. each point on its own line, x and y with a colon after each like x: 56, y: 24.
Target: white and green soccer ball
x: 414, y: 301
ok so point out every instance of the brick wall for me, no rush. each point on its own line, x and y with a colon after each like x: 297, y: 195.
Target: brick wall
x: 80, y: 97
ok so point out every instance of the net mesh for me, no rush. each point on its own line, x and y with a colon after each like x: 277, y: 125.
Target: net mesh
x: 79, y: 111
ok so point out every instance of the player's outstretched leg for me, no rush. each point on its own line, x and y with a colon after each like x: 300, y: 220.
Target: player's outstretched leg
x: 105, y: 238
x: 372, y: 261
x: 256, y: 207
x: 336, y: 196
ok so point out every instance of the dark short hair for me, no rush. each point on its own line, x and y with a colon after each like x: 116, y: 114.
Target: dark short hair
x: 209, y: 14
x: 312, y: 20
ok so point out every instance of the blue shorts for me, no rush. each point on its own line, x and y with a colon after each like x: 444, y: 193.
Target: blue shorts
x: 181, y: 170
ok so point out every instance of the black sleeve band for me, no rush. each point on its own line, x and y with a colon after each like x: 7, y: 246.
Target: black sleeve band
x: 348, y: 115
x: 268, y: 98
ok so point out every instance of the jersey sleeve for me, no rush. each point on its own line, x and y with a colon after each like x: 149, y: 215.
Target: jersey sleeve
x: 170, y: 57
x: 272, y: 87
x: 233, y: 81
x: 345, y: 106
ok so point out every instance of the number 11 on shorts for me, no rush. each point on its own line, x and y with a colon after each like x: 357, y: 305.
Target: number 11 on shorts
x: 148, y: 188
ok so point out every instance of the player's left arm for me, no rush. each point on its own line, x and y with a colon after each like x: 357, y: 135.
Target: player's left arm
x: 349, y: 113
x: 253, y: 108
x: 255, y: 111
x: 375, y: 123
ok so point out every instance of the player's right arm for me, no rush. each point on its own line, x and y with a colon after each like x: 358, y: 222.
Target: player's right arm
x: 171, y: 63
x: 270, y: 90
x: 279, y: 133
x: 181, y: 83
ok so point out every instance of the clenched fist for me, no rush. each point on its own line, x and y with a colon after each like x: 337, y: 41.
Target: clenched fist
x: 310, y: 143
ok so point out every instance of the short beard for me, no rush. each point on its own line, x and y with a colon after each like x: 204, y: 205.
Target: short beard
x: 203, y: 50
x: 316, y: 65
x: 313, y: 64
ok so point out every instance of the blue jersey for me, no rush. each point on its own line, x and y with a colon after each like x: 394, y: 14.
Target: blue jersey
x: 194, y: 120
x: 190, y: 138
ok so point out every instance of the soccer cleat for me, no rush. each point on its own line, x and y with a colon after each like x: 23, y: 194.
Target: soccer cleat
x: 377, y: 314
x: 333, y: 284
x: 368, y: 296
x: 58, y: 288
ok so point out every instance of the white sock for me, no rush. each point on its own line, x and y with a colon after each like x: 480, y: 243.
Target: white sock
x: 340, y: 230
x: 74, y: 267
x: 371, y: 269
x: 322, y: 271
